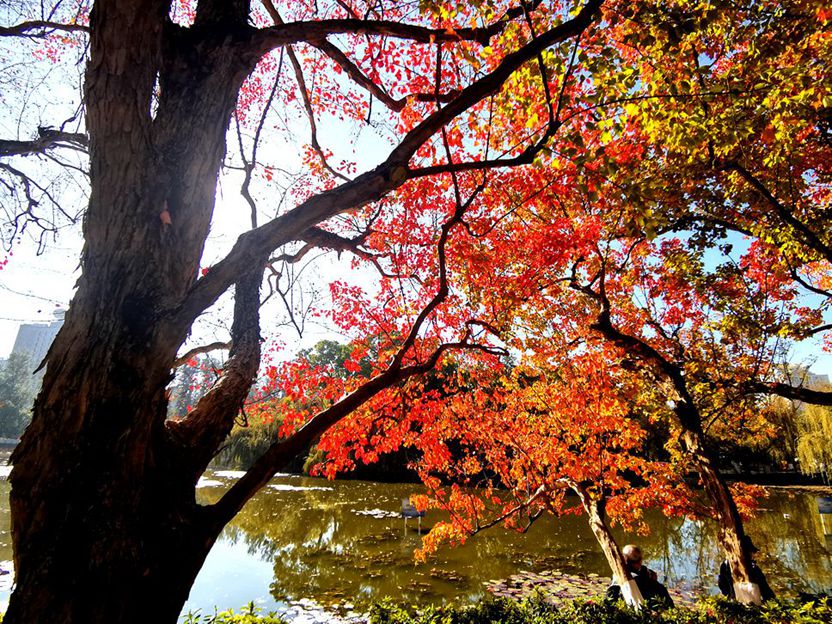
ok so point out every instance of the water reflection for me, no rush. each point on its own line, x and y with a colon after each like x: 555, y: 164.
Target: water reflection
x: 343, y: 542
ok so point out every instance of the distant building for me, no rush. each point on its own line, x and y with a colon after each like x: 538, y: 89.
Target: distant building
x: 816, y: 381
x: 34, y: 339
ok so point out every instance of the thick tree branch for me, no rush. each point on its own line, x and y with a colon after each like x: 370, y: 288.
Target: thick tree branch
x: 787, y: 391
x: 201, y: 432
x: 253, y: 247
x: 685, y: 408
x: 805, y: 283
x: 316, y: 32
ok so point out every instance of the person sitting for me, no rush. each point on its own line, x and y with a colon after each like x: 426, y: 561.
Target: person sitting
x: 646, y: 580
x: 726, y: 579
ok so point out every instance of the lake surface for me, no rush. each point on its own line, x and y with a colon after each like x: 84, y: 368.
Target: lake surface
x: 303, y: 542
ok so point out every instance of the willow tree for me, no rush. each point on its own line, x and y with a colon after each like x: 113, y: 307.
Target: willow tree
x: 814, y: 445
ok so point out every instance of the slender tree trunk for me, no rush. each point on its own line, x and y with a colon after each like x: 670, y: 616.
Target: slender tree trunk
x: 596, y: 514
x: 729, y: 522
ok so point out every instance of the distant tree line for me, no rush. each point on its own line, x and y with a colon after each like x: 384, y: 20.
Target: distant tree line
x: 18, y: 387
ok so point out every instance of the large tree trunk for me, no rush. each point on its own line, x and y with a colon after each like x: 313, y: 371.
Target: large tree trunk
x: 104, y: 521
x: 121, y: 552
x: 105, y: 526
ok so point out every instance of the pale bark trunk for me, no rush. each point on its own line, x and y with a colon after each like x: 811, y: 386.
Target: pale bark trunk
x: 729, y: 522
x: 596, y: 516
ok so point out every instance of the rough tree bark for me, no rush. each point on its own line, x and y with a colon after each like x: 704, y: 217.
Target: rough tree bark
x: 105, y: 525
x: 104, y: 520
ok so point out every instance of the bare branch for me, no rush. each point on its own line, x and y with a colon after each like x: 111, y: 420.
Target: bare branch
x: 213, y: 346
x: 249, y: 166
x: 304, y: 93
x: 48, y: 138
x: 317, y: 237
x: 40, y: 28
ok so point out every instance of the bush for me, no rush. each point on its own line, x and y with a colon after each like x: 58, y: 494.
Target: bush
x: 536, y: 611
x: 247, y: 615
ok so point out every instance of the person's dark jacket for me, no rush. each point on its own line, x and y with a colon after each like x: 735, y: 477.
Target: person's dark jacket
x: 726, y: 581
x: 651, y: 590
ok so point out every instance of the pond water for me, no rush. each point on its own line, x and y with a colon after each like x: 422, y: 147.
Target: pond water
x: 303, y: 542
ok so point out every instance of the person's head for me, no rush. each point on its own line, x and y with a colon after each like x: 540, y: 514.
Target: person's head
x: 632, y: 557
x: 748, y: 545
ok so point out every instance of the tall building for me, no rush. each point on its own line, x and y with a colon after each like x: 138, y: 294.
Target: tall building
x: 34, y: 339
x: 816, y: 381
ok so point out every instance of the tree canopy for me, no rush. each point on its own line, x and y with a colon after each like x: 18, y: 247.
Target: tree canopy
x: 635, y: 194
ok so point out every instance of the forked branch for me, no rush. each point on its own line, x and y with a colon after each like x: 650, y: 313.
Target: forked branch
x: 370, y: 186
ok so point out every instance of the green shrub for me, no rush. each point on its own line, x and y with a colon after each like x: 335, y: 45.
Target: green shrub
x: 536, y: 611
x: 249, y: 614
x: 715, y: 610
